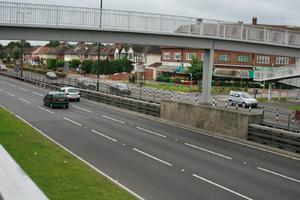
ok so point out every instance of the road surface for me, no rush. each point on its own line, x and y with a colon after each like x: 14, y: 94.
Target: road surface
x: 155, y: 160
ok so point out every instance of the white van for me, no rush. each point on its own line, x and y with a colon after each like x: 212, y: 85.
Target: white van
x: 241, y: 98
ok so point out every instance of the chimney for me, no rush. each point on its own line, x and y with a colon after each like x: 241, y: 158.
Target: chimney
x: 254, y: 21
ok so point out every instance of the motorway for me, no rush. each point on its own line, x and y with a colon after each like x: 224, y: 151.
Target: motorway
x: 153, y: 159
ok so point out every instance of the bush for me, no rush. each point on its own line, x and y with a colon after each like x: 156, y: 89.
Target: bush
x: 60, y: 63
x: 74, y: 63
x: 51, y: 63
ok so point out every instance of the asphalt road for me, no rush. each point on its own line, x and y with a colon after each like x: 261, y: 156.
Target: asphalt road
x: 153, y: 159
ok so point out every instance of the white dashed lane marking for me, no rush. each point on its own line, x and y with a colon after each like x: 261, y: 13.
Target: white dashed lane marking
x: 103, y: 135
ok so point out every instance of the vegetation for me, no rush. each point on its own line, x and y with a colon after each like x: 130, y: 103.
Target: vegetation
x: 51, y: 63
x: 296, y: 107
x: 59, y: 174
x: 275, y: 99
x: 53, y: 43
x: 196, y: 69
x: 74, y: 63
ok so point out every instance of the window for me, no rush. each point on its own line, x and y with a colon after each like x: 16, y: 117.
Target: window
x: 177, y: 56
x: 282, y: 60
x: 224, y: 58
x: 190, y: 56
x: 263, y: 59
x: 243, y: 58
x: 167, y: 56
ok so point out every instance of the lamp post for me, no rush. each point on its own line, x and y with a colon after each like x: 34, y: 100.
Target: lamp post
x: 22, y: 52
x: 99, y: 48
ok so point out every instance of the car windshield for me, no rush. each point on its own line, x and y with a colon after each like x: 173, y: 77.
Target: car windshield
x: 60, y: 95
x: 246, y: 95
x: 73, y: 90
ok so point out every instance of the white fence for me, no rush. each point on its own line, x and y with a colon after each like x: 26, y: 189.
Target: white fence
x: 24, y: 14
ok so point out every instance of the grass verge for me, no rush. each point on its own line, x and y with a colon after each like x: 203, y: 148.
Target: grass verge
x: 59, y: 174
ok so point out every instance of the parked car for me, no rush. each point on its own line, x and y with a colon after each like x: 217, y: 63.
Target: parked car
x: 86, y: 83
x: 3, y: 68
x: 119, y: 89
x: 56, y: 99
x: 71, y: 92
x: 241, y: 98
x: 51, y: 75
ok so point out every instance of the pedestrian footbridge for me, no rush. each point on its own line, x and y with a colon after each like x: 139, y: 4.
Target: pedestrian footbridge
x: 278, y: 74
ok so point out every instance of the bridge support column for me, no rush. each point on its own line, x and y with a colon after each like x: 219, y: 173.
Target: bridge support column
x: 207, y: 76
x: 270, y: 92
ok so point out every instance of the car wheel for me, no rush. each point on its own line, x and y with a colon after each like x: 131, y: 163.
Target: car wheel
x: 67, y: 106
x: 230, y: 103
x: 244, y: 105
x: 78, y: 99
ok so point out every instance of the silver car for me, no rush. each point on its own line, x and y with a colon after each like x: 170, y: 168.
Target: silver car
x: 71, y: 92
x: 241, y: 98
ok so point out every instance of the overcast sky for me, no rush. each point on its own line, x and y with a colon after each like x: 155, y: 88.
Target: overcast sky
x: 267, y: 11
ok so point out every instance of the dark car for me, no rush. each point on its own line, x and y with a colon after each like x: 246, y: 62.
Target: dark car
x: 119, y: 89
x: 51, y: 75
x: 56, y: 99
x: 86, y: 83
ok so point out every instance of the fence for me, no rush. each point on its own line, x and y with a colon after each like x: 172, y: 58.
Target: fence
x: 58, y: 16
x: 281, y: 120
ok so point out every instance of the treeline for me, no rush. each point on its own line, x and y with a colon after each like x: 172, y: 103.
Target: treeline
x: 95, y: 67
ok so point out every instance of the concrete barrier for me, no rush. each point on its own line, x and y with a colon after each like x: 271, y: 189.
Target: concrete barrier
x: 214, y: 119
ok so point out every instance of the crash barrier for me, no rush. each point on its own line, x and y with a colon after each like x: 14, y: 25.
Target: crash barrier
x: 282, y: 139
x: 211, y: 118
x: 118, y: 101
x: 280, y: 120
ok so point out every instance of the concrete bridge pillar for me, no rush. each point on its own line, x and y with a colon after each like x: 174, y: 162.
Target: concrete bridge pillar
x: 208, y: 61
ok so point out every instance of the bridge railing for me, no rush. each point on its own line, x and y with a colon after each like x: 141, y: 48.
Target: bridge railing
x: 25, y: 14
x: 277, y: 73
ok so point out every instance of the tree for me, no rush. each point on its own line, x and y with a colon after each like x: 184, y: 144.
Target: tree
x: 53, y: 43
x: 74, y: 63
x: 51, y: 63
x: 196, y: 69
x: 87, y: 66
x: 60, y: 63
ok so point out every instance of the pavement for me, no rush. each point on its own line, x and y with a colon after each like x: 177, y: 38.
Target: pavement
x: 156, y: 160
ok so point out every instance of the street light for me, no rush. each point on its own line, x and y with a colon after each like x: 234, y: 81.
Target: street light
x: 99, y: 48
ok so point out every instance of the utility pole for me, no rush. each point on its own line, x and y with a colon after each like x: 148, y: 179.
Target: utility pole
x: 22, y: 52
x: 99, y: 49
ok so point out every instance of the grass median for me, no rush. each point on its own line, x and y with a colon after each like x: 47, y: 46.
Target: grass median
x: 59, y: 174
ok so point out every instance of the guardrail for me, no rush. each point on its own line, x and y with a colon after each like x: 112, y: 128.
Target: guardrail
x: 280, y: 120
x: 58, y: 16
x: 277, y: 73
x: 274, y: 137
x: 122, y: 102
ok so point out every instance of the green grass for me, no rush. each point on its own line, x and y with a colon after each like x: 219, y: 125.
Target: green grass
x: 297, y: 108
x: 274, y: 99
x: 194, y: 88
x: 173, y: 87
x: 59, y: 174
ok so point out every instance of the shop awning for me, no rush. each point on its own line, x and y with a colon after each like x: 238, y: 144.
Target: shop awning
x: 235, y: 73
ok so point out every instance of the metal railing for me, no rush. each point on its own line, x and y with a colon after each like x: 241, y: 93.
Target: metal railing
x: 32, y: 15
x: 276, y: 73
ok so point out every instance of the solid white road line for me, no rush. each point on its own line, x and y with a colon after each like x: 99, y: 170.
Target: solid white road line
x: 72, y: 121
x: 222, y: 187
x: 82, y: 109
x: 10, y: 94
x: 37, y: 94
x: 24, y: 89
x: 25, y: 100
x: 208, y: 151
x: 113, y: 119
x: 277, y: 174
x: 150, y: 156
x: 103, y: 135
x: 148, y: 131
x: 78, y: 157
x: 45, y: 110
x: 11, y: 85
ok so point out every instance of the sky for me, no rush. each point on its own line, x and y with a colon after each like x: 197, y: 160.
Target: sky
x: 267, y: 11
